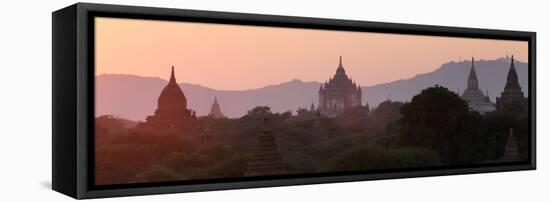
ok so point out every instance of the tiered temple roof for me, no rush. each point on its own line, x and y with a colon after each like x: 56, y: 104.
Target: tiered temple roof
x: 473, y: 95
x: 339, y: 93
x: 511, y: 151
x: 266, y: 159
x: 512, y: 98
x: 215, y: 109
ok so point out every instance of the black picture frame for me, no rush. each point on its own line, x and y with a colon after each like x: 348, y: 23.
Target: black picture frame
x: 73, y: 98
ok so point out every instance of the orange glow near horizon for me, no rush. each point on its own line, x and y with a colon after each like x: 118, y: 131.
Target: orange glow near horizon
x: 238, y: 57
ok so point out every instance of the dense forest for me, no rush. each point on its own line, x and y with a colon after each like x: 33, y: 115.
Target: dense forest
x: 436, y: 128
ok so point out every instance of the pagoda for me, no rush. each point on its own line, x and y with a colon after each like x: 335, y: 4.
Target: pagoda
x: 511, y: 151
x: 474, y: 97
x: 512, y: 99
x: 339, y: 93
x: 266, y: 159
x: 215, y: 110
x: 171, y: 114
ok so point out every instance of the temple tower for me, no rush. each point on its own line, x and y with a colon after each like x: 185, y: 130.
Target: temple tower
x: 473, y: 95
x: 171, y: 113
x: 266, y: 159
x: 339, y: 93
x: 511, y: 99
x: 511, y: 151
x: 472, y: 78
x: 215, y: 109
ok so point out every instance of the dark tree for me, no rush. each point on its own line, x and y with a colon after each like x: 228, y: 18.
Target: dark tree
x: 388, y: 110
x: 303, y: 112
x: 108, y: 123
x: 440, y: 120
x: 353, y: 118
x: 258, y: 111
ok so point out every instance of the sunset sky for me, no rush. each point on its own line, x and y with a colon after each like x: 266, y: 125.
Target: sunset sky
x: 236, y: 57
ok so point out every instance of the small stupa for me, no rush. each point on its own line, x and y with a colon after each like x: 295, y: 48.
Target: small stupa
x: 511, y: 151
x: 215, y: 109
x: 266, y: 159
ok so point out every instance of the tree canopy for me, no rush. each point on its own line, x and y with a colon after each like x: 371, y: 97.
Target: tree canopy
x: 439, y: 119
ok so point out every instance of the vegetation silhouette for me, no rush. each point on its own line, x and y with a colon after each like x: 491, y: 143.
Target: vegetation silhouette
x: 436, y: 128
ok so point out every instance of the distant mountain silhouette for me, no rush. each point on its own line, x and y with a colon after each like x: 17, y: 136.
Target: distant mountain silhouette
x: 135, y: 97
x: 453, y: 75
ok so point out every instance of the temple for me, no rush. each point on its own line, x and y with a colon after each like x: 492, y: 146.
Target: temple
x: 266, y: 159
x: 512, y: 99
x: 312, y: 107
x: 171, y: 114
x: 215, y: 110
x: 511, y: 151
x: 339, y: 93
x: 474, y: 97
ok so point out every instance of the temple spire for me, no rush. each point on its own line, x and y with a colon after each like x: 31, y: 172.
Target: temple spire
x: 172, y: 76
x: 512, y: 78
x: 340, y: 69
x: 215, y: 109
x: 512, y: 98
x: 472, y: 78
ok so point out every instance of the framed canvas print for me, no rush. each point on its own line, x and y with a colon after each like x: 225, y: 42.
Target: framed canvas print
x: 154, y: 100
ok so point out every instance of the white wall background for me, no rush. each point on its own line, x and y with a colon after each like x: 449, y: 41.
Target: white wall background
x: 25, y: 99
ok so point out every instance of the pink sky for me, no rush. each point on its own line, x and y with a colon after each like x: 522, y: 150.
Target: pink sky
x: 237, y: 57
